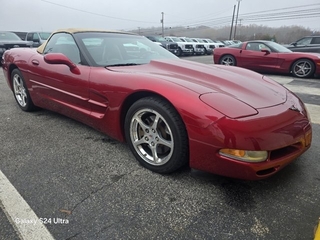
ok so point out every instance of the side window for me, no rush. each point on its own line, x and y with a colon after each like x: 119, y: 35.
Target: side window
x: 253, y: 46
x: 35, y: 37
x: 263, y: 47
x: 65, y: 44
x: 304, y: 41
x: 29, y: 37
x: 315, y: 40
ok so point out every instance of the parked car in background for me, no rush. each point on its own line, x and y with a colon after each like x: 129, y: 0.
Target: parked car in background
x: 306, y: 44
x: 228, y: 42
x: 208, y: 48
x: 11, y: 40
x: 198, y: 48
x: 37, y: 38
x: 184, y: 48
x: 171, y: 112
x: 268, y: 56
x: 216, y: 43
x: 170, y: 46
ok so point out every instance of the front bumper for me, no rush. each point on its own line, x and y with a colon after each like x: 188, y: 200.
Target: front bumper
x: 285, y: 134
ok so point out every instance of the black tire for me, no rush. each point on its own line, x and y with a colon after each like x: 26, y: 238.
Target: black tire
x: 228, y: 60
x: 179, y: 52
x: 303, y: 68
x: 162, y: 145
x: 20, y: 91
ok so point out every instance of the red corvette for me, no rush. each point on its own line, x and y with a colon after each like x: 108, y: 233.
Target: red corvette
x: 171, y: 112
x: 267, y: 56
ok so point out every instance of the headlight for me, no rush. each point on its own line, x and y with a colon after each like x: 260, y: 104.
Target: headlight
x: 244, y: 155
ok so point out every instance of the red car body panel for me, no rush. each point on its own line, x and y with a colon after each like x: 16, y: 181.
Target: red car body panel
x: 205, y: 96
x: 260, y: 61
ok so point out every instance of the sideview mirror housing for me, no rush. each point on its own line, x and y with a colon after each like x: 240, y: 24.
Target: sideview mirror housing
x: 266, y: 51
x: 59, y: 58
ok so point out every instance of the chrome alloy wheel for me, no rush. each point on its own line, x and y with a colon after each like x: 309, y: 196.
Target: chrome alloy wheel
x: 228, y: 60
x: 19, y: 90
x: 151, y: 137
x: 303, y: 68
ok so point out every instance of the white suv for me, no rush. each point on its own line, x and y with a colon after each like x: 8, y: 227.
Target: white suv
x: 199, y: 48
x: 184, y: 47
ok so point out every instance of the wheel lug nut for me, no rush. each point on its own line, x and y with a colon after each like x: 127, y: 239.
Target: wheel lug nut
x: 147, y: 130
x: 152, y: 143
x: 147, y: 139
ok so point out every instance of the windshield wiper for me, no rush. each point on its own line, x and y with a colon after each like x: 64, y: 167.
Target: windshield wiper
x: 122, y: 64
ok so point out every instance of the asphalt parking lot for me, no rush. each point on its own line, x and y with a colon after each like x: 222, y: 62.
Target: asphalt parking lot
x: 67, y: 171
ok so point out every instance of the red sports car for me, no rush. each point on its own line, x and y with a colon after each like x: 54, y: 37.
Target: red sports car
x: 267, y: 56
x: 172, y: 112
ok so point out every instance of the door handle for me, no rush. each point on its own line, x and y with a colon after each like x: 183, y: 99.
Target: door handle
x: 35, y: 62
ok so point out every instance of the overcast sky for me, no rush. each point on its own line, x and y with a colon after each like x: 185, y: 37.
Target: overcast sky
x: 49, y: 15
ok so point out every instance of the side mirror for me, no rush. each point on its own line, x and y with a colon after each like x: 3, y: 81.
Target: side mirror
x: 293, y: 44
x: 59, y: 58
x: 266, y: 51
x: 37, y: 40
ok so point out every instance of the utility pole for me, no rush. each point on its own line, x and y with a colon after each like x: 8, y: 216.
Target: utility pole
x: 234, y: 10
x: 240, y: 26
x: 235, y: 27
x: 162, y: 22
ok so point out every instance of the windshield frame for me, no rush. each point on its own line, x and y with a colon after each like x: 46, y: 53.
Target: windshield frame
x: 134, y: 49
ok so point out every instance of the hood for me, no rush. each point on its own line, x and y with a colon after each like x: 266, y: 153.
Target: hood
x: 10, y: 44
x: 241, y: 84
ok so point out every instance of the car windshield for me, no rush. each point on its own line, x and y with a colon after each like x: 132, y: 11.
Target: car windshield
x: 160, y: 39
x: 278, y: 47
x: 9, y: 36
x: 44, y: 35
x: 175, y: 39
x: 188, y: 39
x: 117, y: 49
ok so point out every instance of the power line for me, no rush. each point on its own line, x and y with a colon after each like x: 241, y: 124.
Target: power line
x: 267, y: 13
x: 97, y: 14
x: 261, y: 16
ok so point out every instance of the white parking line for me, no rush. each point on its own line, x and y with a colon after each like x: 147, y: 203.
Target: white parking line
x: 314, y: 111
x: 19, y: 213
x: 305, y: 90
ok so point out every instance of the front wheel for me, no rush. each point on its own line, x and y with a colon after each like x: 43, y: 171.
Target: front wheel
x: 228, y: 60
x: 179, y: 52
x: 156, y: 135
x: 303, y: 68
x: 20, y: 91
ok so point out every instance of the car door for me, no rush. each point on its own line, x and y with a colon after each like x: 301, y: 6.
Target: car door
x: 259, y: 57
x: 55, y: 86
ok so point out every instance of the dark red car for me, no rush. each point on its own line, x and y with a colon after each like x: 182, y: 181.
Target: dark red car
x: 172, y: 112
x: 268, y: 56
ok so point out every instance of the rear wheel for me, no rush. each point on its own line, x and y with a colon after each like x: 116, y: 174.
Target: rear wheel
x: 303, y: 68
x: 20, y: 91
x: 156, y: 135
x: 228, y: 60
